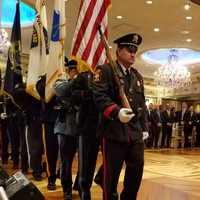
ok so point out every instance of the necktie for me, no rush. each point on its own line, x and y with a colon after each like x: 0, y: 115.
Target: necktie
x: 128, y: 77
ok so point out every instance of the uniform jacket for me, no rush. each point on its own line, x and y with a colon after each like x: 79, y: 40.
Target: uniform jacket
x: 107, y: 99
x: 82, y: 96
x: 66, y: 122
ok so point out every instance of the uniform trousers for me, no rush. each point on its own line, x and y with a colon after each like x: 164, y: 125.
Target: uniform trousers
x: 35, y: 144
x: 51, y: 149
x: 88, y: 151
x: 5, y: 141
x: 114, y: 156
x: 68, y: 147
x: 14, y: 138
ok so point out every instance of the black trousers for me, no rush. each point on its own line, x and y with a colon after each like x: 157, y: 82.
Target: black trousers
x: 23, y: 147
x: 88, y: 151
x: 166, y: 134
x: 68, y: 146
x: 51, y: 149
x: 5, y: 141
x: 114, y: 155
x: 35, y: 144
x: 14, y: 138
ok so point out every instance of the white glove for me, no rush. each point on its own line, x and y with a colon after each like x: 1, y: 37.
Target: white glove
x: 145, y: 135
x: 125, y: 115
x: 3, y: 115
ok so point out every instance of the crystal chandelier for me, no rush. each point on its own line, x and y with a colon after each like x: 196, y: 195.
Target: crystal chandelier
x: 173, y: 74
x: 4, y: 42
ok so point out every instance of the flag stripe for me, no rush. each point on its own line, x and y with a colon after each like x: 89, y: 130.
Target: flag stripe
x: 88, y: 31
x: 84, y: 25
x: 94, y: 32
x: 95, y: 43
x: 87, y: 46
x: 98, y: 52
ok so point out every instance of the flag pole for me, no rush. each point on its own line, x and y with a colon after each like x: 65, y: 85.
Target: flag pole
x: 41, y: 91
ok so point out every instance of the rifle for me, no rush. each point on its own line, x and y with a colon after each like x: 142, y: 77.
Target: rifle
x: 118, y: 79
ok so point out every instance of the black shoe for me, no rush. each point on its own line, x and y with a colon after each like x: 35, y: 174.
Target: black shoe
x: 68, y: 195
x: 51, y: 186
x: 24, y: 170
x: 85, y: 196
x: 76, y: 185
x: 5, y: 162
x: 15, y: 166
x: 37, y: 176
x: 99, y: 180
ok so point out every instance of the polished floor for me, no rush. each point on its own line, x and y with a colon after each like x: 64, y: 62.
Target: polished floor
x: 169, y: 174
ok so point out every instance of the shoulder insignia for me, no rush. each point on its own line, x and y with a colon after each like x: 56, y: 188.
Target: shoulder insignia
x: 97, y: 75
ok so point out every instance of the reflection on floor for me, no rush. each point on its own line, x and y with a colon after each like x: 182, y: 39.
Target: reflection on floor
x: 172, y: 174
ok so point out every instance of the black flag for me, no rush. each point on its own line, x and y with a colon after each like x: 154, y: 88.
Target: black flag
x: 13, y: 75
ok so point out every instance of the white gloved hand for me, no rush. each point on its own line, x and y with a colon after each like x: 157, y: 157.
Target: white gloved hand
x: 125, y: 115
x: 145, y: 135
x: 3, y: 115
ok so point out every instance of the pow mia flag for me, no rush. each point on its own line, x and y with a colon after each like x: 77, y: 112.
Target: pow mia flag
x: 13, y: 75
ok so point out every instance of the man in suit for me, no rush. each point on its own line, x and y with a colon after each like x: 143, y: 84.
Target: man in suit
x: 167, y: 122
x: 189, y: 122
x: 181, y: 118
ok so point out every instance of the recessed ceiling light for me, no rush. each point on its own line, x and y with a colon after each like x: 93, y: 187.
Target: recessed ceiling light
x: 188, y: 17
x: 119, y: 17
x: 189, y: 40
x: 187, y: 6
x: 156, y: 29
x: 149, y: 2
x: 185, y: 32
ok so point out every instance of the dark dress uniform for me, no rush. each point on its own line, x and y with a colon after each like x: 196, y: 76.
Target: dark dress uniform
x: 66, y: 130
x: 34, y: 125
x: 122, y: 142
x: 82, y: 96
x: 79, y: 94
x: 49, y: 116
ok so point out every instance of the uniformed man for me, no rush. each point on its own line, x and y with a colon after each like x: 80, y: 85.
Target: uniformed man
x: 122, y: 128
x: 66, y: 127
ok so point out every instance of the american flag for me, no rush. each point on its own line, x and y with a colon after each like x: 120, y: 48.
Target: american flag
x: 87, y: 47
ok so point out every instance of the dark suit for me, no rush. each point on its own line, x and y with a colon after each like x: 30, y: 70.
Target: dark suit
x: 167, y: 122
x: 189, y: 122
x: 197, y: 130
x: 154, y: 128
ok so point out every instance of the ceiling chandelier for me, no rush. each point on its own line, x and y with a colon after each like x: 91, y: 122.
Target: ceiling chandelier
x: 173, y: 74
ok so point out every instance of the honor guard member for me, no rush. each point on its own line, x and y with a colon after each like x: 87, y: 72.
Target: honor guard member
x: 34, y: 137
x: 66, y: 127
x: 82, y: 96
x: 80, y: 92
x: 48, y: 117
x: 122, y: 128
